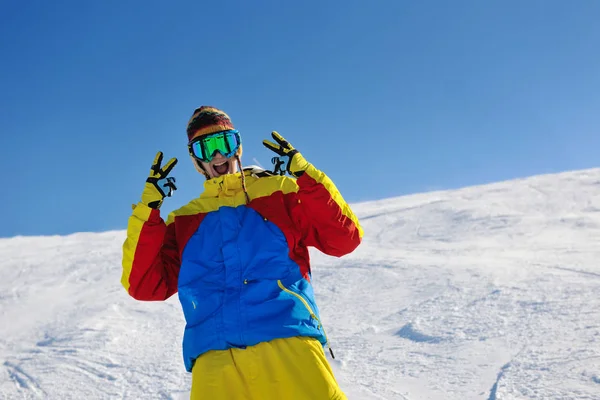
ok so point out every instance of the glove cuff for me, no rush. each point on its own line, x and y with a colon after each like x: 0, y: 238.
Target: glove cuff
x: 151, y: 196
x: 146, y: 213
x: 298, y: 165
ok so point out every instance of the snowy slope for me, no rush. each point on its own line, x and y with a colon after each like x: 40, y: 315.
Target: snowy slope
x: 488, y: 292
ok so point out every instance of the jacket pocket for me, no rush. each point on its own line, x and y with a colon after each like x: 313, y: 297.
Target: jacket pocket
x: 302, y: 299
x: 310, y: 310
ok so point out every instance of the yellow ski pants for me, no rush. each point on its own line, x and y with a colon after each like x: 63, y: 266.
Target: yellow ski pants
x: 282, y: 369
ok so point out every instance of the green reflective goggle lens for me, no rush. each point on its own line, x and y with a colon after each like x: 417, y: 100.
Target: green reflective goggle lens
x: 204, y: 147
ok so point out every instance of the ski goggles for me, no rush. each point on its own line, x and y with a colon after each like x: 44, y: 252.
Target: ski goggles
x: 204, y: 147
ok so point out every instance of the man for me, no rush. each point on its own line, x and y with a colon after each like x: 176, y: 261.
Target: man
x: 238, y: 257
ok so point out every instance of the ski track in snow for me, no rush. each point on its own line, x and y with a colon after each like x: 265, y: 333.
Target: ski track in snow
x: 488, y: 292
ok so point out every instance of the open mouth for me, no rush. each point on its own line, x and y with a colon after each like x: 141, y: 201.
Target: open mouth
x: 222, y: 168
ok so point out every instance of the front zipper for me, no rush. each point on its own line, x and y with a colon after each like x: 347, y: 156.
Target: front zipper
x: 310, y: 310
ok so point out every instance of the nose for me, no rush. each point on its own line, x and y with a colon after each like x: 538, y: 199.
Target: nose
x: 218, y: 156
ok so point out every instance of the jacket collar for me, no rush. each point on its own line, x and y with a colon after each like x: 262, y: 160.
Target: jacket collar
x: 226, y: 185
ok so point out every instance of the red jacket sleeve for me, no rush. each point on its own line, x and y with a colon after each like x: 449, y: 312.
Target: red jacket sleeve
x: 323, y: 216
x: 151, y: 259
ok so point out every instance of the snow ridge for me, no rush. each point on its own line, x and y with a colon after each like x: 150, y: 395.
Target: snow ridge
x: 495, y: 387
x: 410, y: 333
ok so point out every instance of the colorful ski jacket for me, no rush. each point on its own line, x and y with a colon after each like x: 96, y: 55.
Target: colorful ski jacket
x: 241, y: 268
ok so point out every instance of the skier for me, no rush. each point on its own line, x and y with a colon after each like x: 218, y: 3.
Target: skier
x: 238, y: 256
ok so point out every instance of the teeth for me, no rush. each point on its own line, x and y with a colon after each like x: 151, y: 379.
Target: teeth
x: 218, y: 165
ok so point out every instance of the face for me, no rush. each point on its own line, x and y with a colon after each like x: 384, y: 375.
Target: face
x: 220, y: 165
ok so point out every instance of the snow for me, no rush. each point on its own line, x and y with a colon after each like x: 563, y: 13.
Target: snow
x: 487, y: 292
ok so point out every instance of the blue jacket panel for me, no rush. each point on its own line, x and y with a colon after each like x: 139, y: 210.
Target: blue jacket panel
x: 238, y: 286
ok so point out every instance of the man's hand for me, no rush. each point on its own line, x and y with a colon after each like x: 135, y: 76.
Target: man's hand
x: 293, y: 161
x: 159, y: 185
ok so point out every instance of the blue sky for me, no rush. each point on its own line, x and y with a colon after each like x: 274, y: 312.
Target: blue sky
x: 387, y: 97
